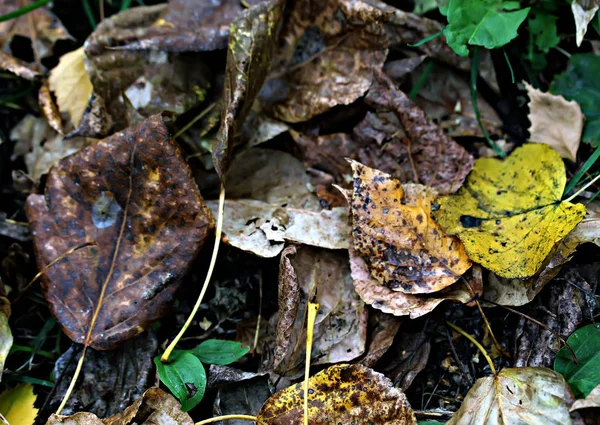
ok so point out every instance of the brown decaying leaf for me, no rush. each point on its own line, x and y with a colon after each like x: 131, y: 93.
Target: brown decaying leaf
x: 531, y: 395
x: 555, y: 122
x: 382, y: 336
x: 49, y: 108
x: 154, y: 407
x: 331, y: 51
x: 308, y: 274
x: 252, y: 39
x: 426, y: 155
x: 18, y: 67
x: 134, y: 196
x: 393, y: 231
x: 40, y: 26
x: 340, y: 394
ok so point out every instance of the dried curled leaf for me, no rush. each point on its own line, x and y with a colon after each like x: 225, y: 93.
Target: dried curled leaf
x: 583, y: 12
x: 509, y: 214
x: 531, y: 395
x: 252, y: 40
x: 154, y: 407
x: 340, y: 394
x: 133, y: 195
x: 555, y: 122
x: 393, y: 231
x: 18, y: 67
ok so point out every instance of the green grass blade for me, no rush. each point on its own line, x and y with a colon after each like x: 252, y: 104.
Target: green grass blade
x: 22, y: 11
x: 581, y: 172
x: 421, y: 81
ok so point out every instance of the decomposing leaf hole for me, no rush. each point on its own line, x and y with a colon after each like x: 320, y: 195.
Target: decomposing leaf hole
x: 105, y: 211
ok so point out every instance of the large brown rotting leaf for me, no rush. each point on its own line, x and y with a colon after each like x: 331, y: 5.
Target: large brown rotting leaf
x: 133, y: 195
x: 252, y: 40
x: 425, y: 154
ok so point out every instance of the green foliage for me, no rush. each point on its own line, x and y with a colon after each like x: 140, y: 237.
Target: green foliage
x: 580, y: 83
x: 584, y: 376
x: 219, y: 352
x: 486, y: 23
x: 184, y: 375
x: 424, y: 6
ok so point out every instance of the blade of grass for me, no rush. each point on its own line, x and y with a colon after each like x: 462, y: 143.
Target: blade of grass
x: 125, y: 4
x: 474, y: 73
x: 512, y: 73
x: 24, y: 10
x: 427, y: 39
x: 28, y: 379
x: 421, y: 81
x: 581, y: 172
x: 87, y: 7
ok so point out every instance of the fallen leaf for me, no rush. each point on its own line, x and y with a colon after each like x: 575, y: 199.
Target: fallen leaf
x: 109, y: 381
x: 70, y: 83
x: 422, y: 151
x: 18, y: 67
x: 393, y: 231
x: 16, y: 405
x: 133, y: 195
x: 49, y: 108
x: 579, y: 83
x: 252, y: 39
x: 583, y: 12
x: 154, y: 407
x: 262, y: 228
x: 509, y: 214
x: 41, y: 146
x: 40, y: 26
x: 340, y: 394
x: 555, y: 122
x: 6, y: 337
x: 331, y: 51
x: 532, y: 395
x: 244, y: 397
x: 339, y: 335
x: 381, y: 336
x: 584, y: 376
x: 591, y: 401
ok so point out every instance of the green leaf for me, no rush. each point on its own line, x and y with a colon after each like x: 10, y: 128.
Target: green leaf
x: 486, y: 23
x: 219, y: 352
x: 184, y: 375
x: 580, y: 83
x: 585, y: 375
x: 543, y: 30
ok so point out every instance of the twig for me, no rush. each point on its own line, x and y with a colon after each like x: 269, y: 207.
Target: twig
x: 476, y: 343
x: 227, y: 417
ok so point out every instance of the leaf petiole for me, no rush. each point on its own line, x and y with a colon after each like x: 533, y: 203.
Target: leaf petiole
x: 225, y: 418
x: 476, y: 343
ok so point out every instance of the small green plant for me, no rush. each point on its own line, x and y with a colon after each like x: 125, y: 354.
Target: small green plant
x: 184, y: 373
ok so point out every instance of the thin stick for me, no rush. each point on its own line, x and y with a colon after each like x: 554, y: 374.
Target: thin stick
x: 196, y: 118
x: 227, y: 417
x: 476, y: 343
x: 313, y: 308
x: 45, y: 269
x: 537, y: 322
x: 576, y: 194
x: 73, y: 381
x: 211, y: 267
x: 260, y: 295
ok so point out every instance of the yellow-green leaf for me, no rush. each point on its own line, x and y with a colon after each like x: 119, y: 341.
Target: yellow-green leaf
x: 16, y: 405
x: 509, y: 214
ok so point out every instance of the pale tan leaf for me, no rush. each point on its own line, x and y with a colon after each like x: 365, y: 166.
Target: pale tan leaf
x: 530, y: 395
x: 591, y: 401
x: 71, y: 84
x: 583, y: 14
x: 555, y: 122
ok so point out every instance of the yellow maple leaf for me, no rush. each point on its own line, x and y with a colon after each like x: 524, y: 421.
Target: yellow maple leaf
x: 16, y: 405
x: 392, y: 230
x: 509, y: 214
x: 71, y: 84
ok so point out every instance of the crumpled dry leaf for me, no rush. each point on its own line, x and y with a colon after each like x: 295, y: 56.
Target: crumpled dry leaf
x: 70, y: 83
x: 40, y: 25
x: 252, y: 39
x: 446, y: 98
x: 509, y: 214
x: 133, y: 195
x: 262, y: 228
x: 555, y: 122
x: 18, y: 67
x: 340, y: 394
x: 41, y: 146
x: 382, y: 336
x: 307, y: 274
x: 393, y: 231
x: 154, y: 407
x: 331, y: 51
x: 49, y: 109
x: 420, y: 150
x: 517, y: 292
x: 583, y: 12
x: 400, y: 304
x: 532, y: 395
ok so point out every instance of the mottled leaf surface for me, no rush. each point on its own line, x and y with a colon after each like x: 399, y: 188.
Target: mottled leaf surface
x: 509, y: 214
x: 340, y: 394
x: 133, y: 195
x: 393, y: 231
